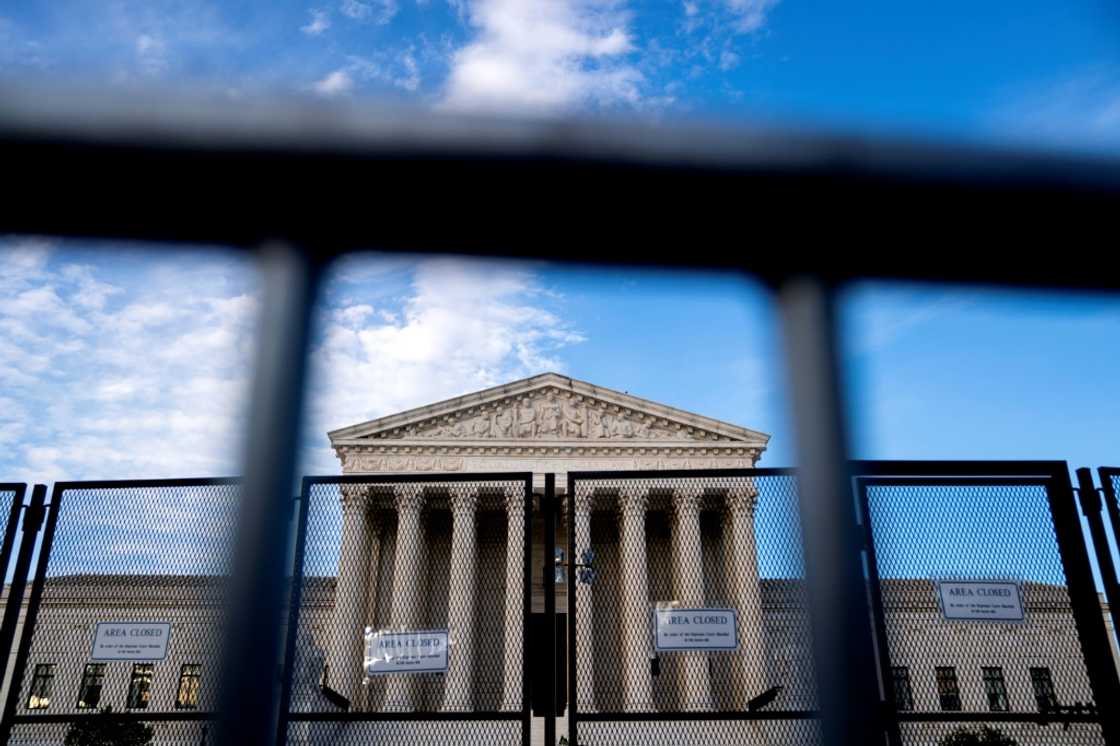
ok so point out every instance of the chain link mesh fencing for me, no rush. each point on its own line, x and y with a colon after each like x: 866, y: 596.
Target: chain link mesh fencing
x: 680, y: 549
x: 127, y: 609
x: 947, y: 671
x: 411, y: 626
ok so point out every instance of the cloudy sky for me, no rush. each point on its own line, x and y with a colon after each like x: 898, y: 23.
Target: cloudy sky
x: 121, y: 362
x: 124, y: 363
x: 1031, y: 70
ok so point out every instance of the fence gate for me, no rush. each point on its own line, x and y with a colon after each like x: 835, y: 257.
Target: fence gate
x: 986, y: 616
x: 410, y: 608
x: 124, y: 613
x: 687, y: 593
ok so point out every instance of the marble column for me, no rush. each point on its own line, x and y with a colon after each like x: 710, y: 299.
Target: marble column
x: 344, y: 657
x: 696, y: 687
x: 637, y: 693
x: 585, y: 632
x: 408, y: 593
x: 373, y: 524
x: 750, y: 660
x: 513, y: 691
x: 462, y: 590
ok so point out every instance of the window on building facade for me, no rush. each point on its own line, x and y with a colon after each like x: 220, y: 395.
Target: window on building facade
x: 41, y: 683
x: 189, y: 675
x: 140, y: 686
x: 995, y: 688
x: 903, y: 694
x: 92, y: 680
x: 1043, y: 686
x: 947, y: 689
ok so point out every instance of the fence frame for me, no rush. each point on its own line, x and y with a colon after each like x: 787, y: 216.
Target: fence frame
x: 1073, y: 553
x: 574, y: 715
x: 19, y: 669
x: 524, y: 716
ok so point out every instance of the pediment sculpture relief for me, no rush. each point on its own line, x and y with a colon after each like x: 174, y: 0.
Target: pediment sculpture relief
x: 550, y: 414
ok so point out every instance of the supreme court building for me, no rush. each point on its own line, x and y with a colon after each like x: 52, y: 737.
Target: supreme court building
x: 447, y: 559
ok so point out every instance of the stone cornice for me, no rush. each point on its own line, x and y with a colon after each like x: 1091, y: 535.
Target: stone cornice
x: 669, y: 422
x: 485, y: 447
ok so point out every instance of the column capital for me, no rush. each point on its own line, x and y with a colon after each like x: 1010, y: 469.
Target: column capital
x: 583, y: 501
x: 353, y: 497
x: 742, y: 499
x: 409, y: 498
x: 514, y: 498
x: 463, y: 499
x: 632, y: 501
x: 688, y: 500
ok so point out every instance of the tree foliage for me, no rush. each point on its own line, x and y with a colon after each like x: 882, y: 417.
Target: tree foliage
x: 107, y: 729
x: 985, y: 736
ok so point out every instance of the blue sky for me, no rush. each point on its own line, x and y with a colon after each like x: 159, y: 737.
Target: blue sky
x: 1028, y: 71
x: 126, y: 364
x: 121, y: 364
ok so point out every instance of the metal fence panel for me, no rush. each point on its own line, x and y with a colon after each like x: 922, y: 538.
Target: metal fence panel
x: 392, y: 562
x: 126, y: 609
x: 727, y: 540
x: 953, y: 660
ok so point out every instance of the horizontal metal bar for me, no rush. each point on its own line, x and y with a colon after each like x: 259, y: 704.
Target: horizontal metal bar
x: 993, y: 717
x: 141, y: 717
x: 682, y: 473
x: 108, y: 484
x: 611, y: 717
x: 94, y: 163
x: 928, y: 481
x: 415, y: 478
x: 408, y: 717
x: 908, y: 468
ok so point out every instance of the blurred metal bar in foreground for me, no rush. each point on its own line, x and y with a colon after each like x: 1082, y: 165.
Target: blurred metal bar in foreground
x: 95, y: 165
x: 843, y: 649
x: 250, y: 684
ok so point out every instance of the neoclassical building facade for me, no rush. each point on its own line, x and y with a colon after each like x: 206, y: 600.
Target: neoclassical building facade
x: 396, y: 554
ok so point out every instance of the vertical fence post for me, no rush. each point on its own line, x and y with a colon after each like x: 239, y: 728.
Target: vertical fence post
x: 1083, y: 597
x: 32, y: 522
x: 1090, y: 501
x: 573, y: 611
x: 848, y: 687
x: 295, y: 599
x: 16, y: 587
x: 548, y: 505
x: 250, y: 685
x: 879, y: 617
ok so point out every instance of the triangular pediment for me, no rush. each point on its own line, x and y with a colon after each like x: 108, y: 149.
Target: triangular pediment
x: 547, y: 407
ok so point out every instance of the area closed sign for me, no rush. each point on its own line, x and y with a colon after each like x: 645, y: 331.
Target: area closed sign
x: 131, y: 641
x: 422, y: 651
x: 695, y: 629
x: 980, y: 600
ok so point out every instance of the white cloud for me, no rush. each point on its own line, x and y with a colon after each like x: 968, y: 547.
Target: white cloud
x: 750, y: 15
x: 400, y: 71
x: 122, y: 366
x: 728, y: 60
x: 335, y: 83
x: 320, y: 22
x: 544, y: 56
x: 1081, y: 110
x: 152, y: 53
x: 463, y: 325
x: 152, y: 381
x: 375, y: 11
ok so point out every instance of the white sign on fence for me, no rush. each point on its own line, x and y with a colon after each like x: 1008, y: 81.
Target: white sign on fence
x: 694, y: 629
x: 980, y: 600
x: 131, y: 641
x: 419, y: 651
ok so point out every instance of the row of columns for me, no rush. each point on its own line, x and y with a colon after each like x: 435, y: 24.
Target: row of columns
x: 356, y: 592
x: 686, y: 549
